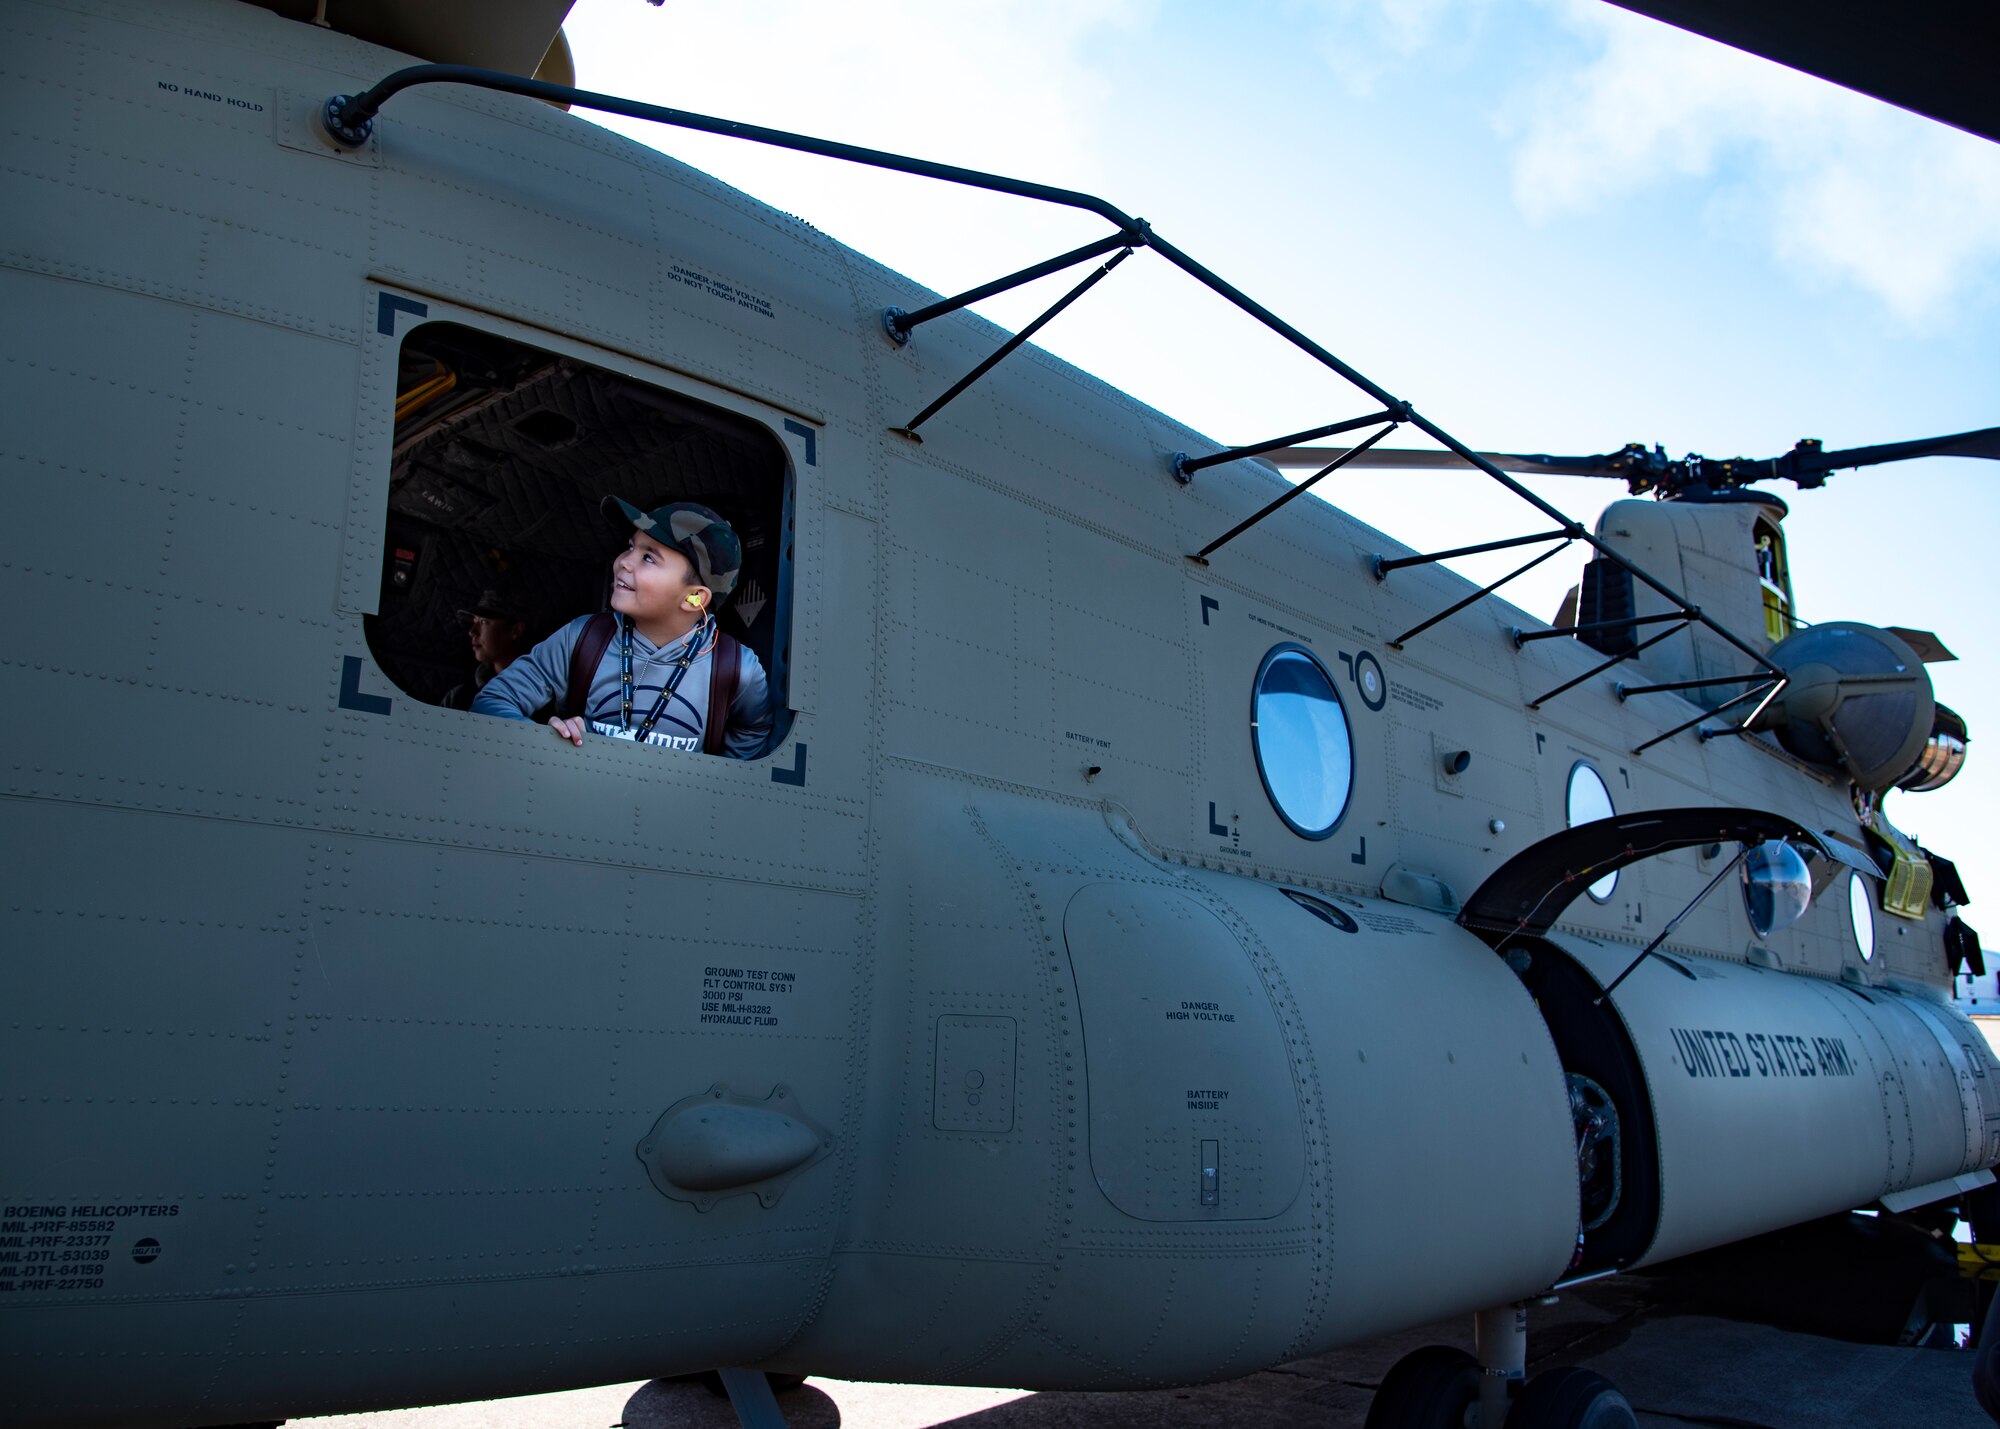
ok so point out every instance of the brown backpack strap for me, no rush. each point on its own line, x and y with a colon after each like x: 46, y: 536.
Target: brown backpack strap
x: 590, y: 646
x: 722, y: 675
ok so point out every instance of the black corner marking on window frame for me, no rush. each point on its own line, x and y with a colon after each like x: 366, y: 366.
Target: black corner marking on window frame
x: 797, y: 773
x: 387, y: 305
x: 351, y: 697
x: 765, y: 474
x: 808, y: 436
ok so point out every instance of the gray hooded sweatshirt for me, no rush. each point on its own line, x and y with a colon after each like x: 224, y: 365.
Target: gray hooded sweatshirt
x: 542, y: 674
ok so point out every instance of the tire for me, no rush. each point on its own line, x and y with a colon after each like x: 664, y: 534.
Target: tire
x: 1986, y: 1365
x: 1981, y: 1210
x: 1571, y: 1398
x: 1430, y: 1388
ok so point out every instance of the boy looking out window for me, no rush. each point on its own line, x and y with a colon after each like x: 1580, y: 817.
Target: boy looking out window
x: 654, y: 680
x: 498, y: 631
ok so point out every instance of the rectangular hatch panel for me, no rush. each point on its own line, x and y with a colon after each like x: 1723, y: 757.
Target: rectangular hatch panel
x: 1193, y: 1113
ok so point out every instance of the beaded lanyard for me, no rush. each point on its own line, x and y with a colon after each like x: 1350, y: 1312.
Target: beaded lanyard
x: 700, y: 641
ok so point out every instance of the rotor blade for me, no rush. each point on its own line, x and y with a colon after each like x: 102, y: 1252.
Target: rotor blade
x: 1312, y: 458
x: 1644, y: 470
x: 1983, y: 443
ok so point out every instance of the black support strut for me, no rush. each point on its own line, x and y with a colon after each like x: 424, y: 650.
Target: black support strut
x: 1186, y: 466
x: 1625, y: 692
x: 1596, y: 670
x: 909, y: 428
x: 1765, y: 690
x: 1449, y: 611
x: 899, y: 324
x: 349, y: 121
x: 1557, y: 632
x: 1672, y: 923
x: 1381, y: 565
x: 1331, y: 467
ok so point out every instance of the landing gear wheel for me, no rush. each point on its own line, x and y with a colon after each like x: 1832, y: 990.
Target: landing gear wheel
x: 1986, y: 1367
x: 1571, y: 1398
x: 1430, y: 1388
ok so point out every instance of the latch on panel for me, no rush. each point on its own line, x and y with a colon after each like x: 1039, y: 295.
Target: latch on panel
x: 973, y: 1087
x: 1211, y: 1173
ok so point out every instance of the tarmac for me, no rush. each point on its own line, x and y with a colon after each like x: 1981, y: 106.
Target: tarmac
x: 1677, y: 1368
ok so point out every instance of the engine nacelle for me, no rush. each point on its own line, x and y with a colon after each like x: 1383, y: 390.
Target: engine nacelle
x: 1856, y: 699
x: 1749, y: 1099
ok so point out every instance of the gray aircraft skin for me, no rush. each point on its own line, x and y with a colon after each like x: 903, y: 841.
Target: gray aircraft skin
x: 365, y: 1053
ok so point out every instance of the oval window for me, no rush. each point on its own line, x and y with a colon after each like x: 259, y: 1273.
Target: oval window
x: 1861, y: 911
x: 1590, y: 801
x: 1304, y: 751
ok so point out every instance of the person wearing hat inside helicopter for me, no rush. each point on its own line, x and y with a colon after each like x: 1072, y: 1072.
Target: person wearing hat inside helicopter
x: 653, y: 681
x: 498, y: 630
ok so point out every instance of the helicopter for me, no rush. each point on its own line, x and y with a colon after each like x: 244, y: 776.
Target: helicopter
x: 1071, y: 994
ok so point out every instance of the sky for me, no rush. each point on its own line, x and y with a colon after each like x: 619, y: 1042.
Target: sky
x: 1552, y: 225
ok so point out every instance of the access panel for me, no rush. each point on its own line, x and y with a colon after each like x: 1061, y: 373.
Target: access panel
x: 1193, y: 1113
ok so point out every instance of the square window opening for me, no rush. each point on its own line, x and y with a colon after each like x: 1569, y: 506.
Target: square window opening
x: 502, y: 455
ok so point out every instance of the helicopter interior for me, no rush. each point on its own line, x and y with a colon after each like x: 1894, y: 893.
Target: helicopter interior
x: 502, y: 455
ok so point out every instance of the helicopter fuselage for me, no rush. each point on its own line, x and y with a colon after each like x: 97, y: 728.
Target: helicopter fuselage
x: 995, y: 1026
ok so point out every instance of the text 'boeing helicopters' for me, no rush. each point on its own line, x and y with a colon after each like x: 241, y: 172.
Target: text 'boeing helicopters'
x: 1073, y: 993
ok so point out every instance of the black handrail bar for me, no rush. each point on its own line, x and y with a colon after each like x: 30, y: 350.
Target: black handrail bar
x: 349, y: 120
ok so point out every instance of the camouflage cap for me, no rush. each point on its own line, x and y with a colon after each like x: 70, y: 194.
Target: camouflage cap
x: 708, y: 541
x: 494, y: 605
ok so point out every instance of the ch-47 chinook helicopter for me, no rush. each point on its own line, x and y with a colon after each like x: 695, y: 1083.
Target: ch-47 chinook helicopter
x: 1082, y: 992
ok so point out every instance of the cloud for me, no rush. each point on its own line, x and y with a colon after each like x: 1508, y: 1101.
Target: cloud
x: 1841, y: 188
x: 1365, y: 42
x: 968, y: 83
x: 1008, y: 86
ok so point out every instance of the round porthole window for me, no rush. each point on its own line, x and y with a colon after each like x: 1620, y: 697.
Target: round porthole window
x: 1777, y: 887
x: 1590, y: 801
x: 1861, y: 911
x: 1304, y: 751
